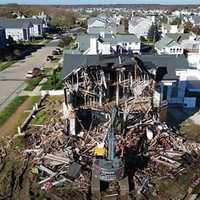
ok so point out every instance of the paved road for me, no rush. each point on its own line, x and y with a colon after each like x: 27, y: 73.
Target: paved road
x: 12, y: 78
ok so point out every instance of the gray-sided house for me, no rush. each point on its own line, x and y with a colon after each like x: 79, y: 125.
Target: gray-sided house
x: 108, y: 43
x: 181, y: 81
x: 38, y: 26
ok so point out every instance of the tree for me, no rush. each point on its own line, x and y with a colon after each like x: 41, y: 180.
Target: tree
x: 188, y: 27
x: 17, y: 52
x: 196, y: 30
x: 164, y: 19
x: 63, y: 19
x: 153, y: 34
x: 65, y: 41
x: 176, y: 21
x: 10, y: 41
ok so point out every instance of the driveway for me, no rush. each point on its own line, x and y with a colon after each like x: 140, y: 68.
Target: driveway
x: 12, y: 79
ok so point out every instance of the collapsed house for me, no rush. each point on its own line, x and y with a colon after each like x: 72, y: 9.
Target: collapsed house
x: 115, y: 80
x: 110, y: 130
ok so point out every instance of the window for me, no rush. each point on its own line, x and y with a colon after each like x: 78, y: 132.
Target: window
x: 165, y: 90
x: 174, y: 89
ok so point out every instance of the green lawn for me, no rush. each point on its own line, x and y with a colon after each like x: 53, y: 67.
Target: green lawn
x: 33, y: 83
x: 10, y: 109
x: 41, y: 41
x: 6, y: 64
x: 191, y: 131
x: 54, y: 82
x: 40, y: 118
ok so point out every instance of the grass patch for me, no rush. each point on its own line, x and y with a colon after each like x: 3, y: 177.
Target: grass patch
x: 33, y: 83
x: 40, y: 41
x: 6, y: 64
x: 19, y: 143
x: 177, y: 188
x: 191, y: 131
x: 54, y: 81
x: 40, y: 118
x: 10, y: 109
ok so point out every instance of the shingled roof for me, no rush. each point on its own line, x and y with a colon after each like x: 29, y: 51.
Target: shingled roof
x: 171, y: 62
x: 15, y: 23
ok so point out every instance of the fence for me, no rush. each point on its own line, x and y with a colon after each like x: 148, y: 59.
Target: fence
x: 21, y: 129
x: 52, y: 92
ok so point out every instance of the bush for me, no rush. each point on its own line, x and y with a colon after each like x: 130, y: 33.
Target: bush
x: 65, y: 41
x: 54, y: 82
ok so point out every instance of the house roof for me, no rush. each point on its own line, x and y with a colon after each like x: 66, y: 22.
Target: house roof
x: 114, y: 39
x: 179, y: 37
x: 74, y: 61
x: 149, y: 62
x: 171, y: 62
x: 196, y: 19
x: 126, y: 38
x: 15, y: 23
x: 34, y: 20
x: 93, y: 19
x: 137, y: 20
x: 165, y: 42
x: 97, y: 30
x: 1, y: 28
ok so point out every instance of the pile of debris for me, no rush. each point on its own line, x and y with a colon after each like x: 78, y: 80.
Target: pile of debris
x: 62, y: 150
x: 60, y: 157
x: 3, y: 154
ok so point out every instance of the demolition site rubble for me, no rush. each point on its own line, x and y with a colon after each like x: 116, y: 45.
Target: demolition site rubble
x: 62, y: 150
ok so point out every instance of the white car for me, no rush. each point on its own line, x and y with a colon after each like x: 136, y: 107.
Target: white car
x: 33, y: 73
x: 29, y: 74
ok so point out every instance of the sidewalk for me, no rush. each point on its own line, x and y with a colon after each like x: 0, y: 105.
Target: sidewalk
x: 36, y: 91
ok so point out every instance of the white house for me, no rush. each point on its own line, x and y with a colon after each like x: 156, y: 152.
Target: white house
x: 37, y: 30
x: 167, y: 28
x: 46, y: 20
x: 23, y: 28
x: 100, y: 24
x: 192, y: 50
x: 108, y: 43
x: 194, y: 19
x: 171, y: 43
x: 169, y: 46
x: 17, y: 28
x: 139, y: 26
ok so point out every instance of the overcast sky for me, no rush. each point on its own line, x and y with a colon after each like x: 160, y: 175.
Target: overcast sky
x: 100, y: 1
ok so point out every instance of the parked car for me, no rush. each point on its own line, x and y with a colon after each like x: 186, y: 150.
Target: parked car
x: 50, y: 58
x: 55, y: 52
x: 33, y: 73
x: 59, y: 50
x: 55, y: 37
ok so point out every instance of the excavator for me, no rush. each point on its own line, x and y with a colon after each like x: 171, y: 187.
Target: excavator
x: 107, y: 167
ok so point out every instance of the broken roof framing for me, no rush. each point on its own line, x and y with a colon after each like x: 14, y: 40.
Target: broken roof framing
x: 96, y: 84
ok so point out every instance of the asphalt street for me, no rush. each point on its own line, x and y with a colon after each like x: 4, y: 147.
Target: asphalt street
x: 12, y: 79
